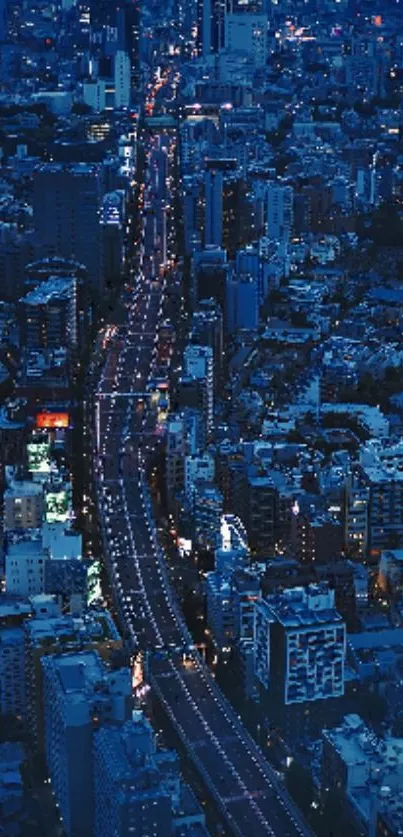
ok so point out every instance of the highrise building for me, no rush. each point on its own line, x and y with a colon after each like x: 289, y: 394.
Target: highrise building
x: 260, y: 513
x: 175, y: 456
x: 67, y: 201
x: 122, y: 79
x: 222, y: 204
x: 279, y: 212
x: 381, y: 473
x: 210, y: 24
x: 366, y: 772
x: 132, y: 789
x: 199, y: 366
x: 192, y: 212
x: 299, y: 649
x: 207, y: 330
x: 242, y: 303
x: 112, y: 220
x: 25, y: 567
x: 128, y: 25
x: 208, y: 509
x: 49, y: 317
x: 223, y: 607
x: 3, y: 20
x: 12, y: 671
x: 316, y: 538
x: 220, y: 611
x: 198, y: 468
x: 23, y: 505
x: 50, y: 633
x: 138, y: 788
x: 210, y: 270
x: 184, y: 438
x: 247, y: 32
x: 80, y: 696
x: 213, y: 207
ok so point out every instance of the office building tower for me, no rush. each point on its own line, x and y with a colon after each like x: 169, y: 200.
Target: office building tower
x: 102, y: 13
x: 12, y: 672
x: 175, y: 456
x: 222, y: 203
x: 184, y: 437
x: 260, y: 513
x: 122, y: 72
x: 49, y: 632
x: 366, y: 187
x: 381, y: 470
x: 220, y: 611
x: 209, y: 275
x: 207, y: 330
x: 247, y: 32
x: 128, y: 26
x: 192, y: 397
x: 390, y: 578
x: 242, y: 303
x: 112, y: 220
x: 366, y: 773
x: 199, y: 366
x: 65, y: 572
x: 198, y: 468
x: 299, y: 648
x: 213, y: 228
x: 3, y: 20
x: 228, y: 609
x: 316, y: 538
x: 210, y: 25
x: 132, y: 792
x: 248, y: 260
x: 192, y: 212
x: 279, y: 212
x: 38, y: 273
x: 208, y: 509
x: 95, y: 94
x: 245, y: 592
x: 23, y: 505
x: 49, y: 316
x: 25, y: 567
x: 67, y: 201
x: 80, y: 696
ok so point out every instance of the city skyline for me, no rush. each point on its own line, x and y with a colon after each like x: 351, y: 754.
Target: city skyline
x: 201, y: 418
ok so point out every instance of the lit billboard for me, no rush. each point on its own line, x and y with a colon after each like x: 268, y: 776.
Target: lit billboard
x: 49, y: 421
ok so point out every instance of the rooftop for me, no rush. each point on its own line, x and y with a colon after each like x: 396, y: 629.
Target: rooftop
x: 54, y: 288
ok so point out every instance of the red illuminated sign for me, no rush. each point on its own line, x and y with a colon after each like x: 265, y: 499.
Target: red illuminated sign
x: 52, y: 420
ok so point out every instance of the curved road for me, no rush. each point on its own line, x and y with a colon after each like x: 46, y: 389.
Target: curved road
x: 246, y: 789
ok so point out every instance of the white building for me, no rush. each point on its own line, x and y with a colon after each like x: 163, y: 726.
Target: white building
x: 23, y: 505
x: 198, y: 469
x: 300, y: 642
x: 94, y: 94
x: 25, y: 568
x: 364, y: 770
